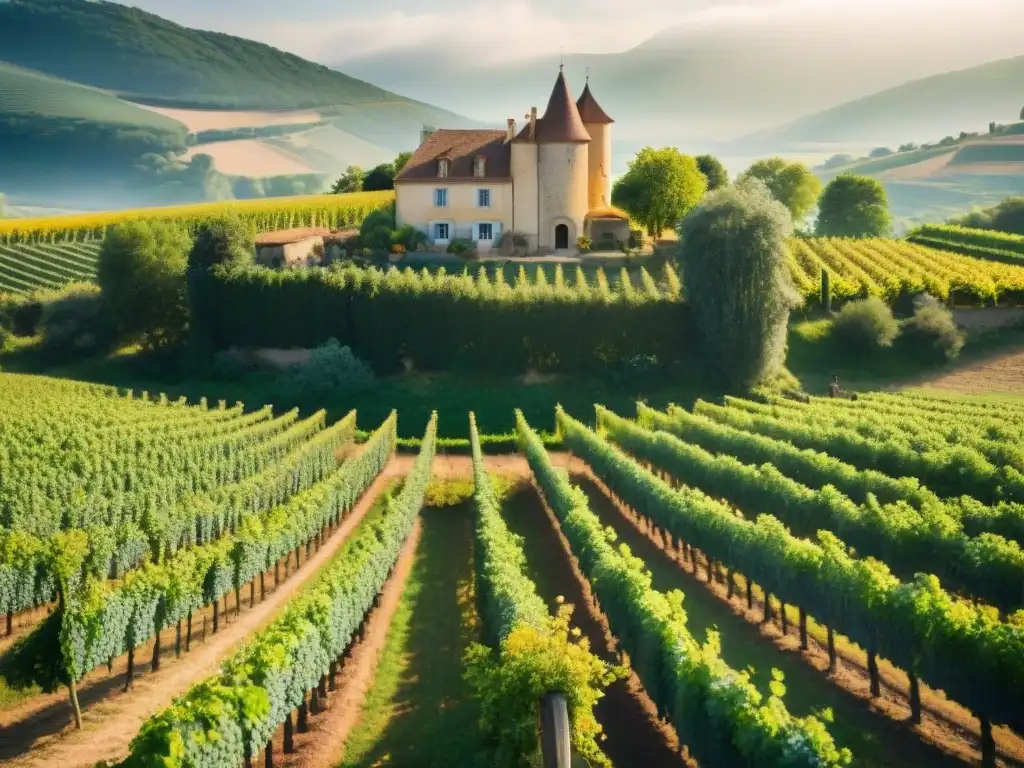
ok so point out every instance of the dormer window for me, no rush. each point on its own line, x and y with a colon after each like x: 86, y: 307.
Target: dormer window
x: 442, y: 169
x: 479, y: 167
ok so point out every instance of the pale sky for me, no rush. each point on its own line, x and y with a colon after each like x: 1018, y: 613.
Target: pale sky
x: 332, y: 31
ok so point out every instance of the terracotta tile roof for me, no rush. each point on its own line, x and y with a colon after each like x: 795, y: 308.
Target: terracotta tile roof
x: 288, y: 236
x: 561, y: 120
x: 460, y: 148
x: 590, y: 110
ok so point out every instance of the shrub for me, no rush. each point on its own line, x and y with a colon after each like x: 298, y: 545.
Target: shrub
x: 76, y: 322
x: 461, y: 247
x: 331, y: 369
x: 584, y: 244
x: 20, y: 313
x: 931, y: 334
x: 410, y: 238
x: 866, y: 325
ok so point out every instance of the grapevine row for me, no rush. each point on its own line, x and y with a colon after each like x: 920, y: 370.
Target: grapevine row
x: 953, y: 646
x: 817, y: 470
x: 231, y: 717
x: 908, y: 540
x: 265, y: 214
x: 949, y: 472
x: 717, y: 711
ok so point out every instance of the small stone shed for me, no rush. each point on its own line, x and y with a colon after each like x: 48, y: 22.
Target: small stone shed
x: 312, y: 246
x: 607, y: 228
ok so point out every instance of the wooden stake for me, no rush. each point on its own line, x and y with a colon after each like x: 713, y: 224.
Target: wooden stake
x: 831, y: 650
x: 876, y: 687
x: 129, y: 673
x: 289, y: 742
x: 155, y: 665
x: 915, y: 700
x: 803, y: 630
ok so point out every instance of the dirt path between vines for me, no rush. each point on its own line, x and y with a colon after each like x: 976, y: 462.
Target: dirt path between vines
x: 109, y: 725
x: 323, y: 746
x: 635, y: 735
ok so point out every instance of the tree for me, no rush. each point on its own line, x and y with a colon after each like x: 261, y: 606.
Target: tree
x: 792, y: 184
x: 660, y: 188
x: 713, y: 171
x: 880, y: 152
x: 854, y: 206
x: 737, y: 283
x: 350, y: 181
x: 1008, y: 216
x: 141, y: 272
x: 401, y: 160
x: 381, y: 177
x: 227, y: 242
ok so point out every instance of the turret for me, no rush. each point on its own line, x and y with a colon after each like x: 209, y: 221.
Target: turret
x: 598, y: 126
x: 562, y: 148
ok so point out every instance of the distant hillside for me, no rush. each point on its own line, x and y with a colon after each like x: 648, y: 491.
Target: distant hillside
x: 965, y: 100
x: 73, y: 74
x: 26, y: 94
x: 142, y: 56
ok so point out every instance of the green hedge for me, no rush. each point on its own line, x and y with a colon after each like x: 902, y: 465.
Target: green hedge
x: 442, y: 321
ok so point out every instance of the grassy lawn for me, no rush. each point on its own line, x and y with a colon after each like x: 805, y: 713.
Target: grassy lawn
x: 874, y: 740
x: 814, y: 358
x: 419, y: 711
x: 453, y: 394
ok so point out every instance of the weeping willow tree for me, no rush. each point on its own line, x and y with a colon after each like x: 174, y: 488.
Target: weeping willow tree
x: 733, y: 252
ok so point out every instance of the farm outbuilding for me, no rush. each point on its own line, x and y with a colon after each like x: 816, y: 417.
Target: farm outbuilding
x: 312, y: 246
x: 291, y: 247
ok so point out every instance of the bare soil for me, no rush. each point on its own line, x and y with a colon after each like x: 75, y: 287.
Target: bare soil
x: 40, y: 732
x: 251, y: 157
x: 323, y: 746
x: 953, y: 730
x: 1001, y: 373
x: 225, y: 119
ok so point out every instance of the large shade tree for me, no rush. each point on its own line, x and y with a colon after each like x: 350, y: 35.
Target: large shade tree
x: 792, y: 184
x: 659, y: 188
x: 141, y: 272
x: 736, y: 281
x: 854, y: 206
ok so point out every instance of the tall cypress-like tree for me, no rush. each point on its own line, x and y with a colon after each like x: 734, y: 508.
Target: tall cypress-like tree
x: 733, y: 252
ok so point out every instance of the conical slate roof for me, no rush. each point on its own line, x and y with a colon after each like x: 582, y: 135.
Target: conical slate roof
x: 561, y: 121
x: 590, y: 111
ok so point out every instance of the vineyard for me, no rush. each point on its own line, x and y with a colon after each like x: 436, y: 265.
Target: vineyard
x: 25, y: 267
x: 266, y: 214
x: 212, y: 586
x: 981, y: 243
x: 890, y: 269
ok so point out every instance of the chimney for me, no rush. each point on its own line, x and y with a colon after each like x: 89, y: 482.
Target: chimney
x: 533, y: 123
x: 511, y: 130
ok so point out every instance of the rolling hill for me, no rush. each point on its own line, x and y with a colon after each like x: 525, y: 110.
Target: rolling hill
x: 144, y: 57
x: 101, y: 104
x: 966, y: 99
